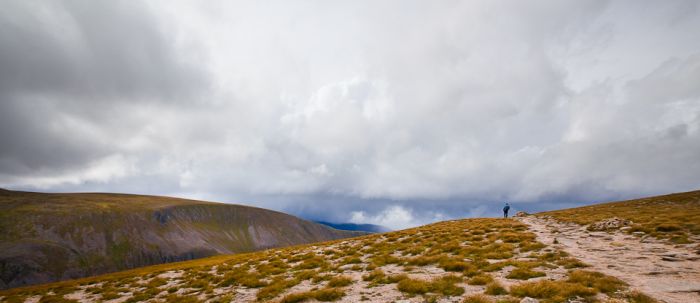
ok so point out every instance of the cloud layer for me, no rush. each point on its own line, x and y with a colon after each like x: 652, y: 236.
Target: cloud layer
x: 390, y: 112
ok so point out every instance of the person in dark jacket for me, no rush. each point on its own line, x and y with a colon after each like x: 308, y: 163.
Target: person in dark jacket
x: 505, y: 210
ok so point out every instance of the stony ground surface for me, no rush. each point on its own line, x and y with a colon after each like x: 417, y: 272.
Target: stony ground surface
x: 667, y: 272
x: 470, y: 261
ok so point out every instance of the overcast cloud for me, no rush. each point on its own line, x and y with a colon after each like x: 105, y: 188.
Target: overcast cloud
x: 390, y: 112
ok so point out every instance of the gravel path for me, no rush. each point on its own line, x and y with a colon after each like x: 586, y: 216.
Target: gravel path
x: 668, y: 273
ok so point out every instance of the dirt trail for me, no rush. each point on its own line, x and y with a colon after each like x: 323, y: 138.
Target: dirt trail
x: 669, y: 274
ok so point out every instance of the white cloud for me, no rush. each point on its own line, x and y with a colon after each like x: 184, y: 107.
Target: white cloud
x: 394, y: 217
x: 100, y: 171
x: 401, y: 217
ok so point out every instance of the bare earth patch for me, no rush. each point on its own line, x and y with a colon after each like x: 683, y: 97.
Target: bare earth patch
x: 669, y: 273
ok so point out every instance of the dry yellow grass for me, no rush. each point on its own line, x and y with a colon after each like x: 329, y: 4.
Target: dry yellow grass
x: 675, y: 217
x: 458, y: 253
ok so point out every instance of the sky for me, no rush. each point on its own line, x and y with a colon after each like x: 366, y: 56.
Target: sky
x: 396, y: 113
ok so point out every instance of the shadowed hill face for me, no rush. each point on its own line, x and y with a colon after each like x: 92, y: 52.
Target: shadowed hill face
x: 675, y: 217
x: 50, y: 237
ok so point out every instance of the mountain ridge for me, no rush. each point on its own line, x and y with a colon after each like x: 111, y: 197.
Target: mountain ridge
x: 52, y: 237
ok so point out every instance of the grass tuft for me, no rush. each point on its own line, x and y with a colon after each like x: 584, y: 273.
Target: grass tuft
x: 524, y: 274
x: 478, y: 298
x: 495, y: 289
x: 556, y: 291
x: 413, y: 286
x: 328, y: 294
x: 599, y: 281
x: 480, y: 279
x: 444, y: 285
x: 340, y: 281
x: 275, y: 288
x: 638, y: 297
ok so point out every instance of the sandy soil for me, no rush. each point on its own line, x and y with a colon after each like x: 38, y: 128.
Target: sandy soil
x: 669, y: 273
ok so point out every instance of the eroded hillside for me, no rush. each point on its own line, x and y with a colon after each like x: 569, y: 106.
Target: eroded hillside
x: 50, y: 237
x: 653, y: 244
x: 471, y: 260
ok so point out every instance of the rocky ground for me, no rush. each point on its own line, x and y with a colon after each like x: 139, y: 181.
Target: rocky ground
x: 470, y: 261
x: 667, y: 272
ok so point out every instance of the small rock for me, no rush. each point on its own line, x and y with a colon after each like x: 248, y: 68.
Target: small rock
x: 529, y: 300
x: 671, y: 259
x: 638, y: 233
x: 576, y: 299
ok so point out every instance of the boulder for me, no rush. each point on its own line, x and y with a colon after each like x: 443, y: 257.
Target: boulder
x: 521, y: 214
x: 608, y: 224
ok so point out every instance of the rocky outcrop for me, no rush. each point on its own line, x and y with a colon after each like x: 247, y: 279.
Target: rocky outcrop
x: 609, y: 224
x: 51, y: 237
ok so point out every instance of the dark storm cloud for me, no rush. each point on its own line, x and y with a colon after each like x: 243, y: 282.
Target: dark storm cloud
x: 67, y: 69
x: 388, y: 112
x: 97, y: 50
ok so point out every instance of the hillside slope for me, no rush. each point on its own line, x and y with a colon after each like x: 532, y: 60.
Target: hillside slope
x: 545, y: 258
x: 471, y: 261
x: 50, y: 237
x: 673, y: 217
x: 653, y: 243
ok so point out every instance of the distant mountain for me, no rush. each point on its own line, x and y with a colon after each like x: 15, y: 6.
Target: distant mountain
x: 357, y: 227
x: 51, y: 237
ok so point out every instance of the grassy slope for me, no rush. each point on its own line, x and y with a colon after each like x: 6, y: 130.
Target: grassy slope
x: 473, y: 260
x: 675, y: 217
x: 48, y: 237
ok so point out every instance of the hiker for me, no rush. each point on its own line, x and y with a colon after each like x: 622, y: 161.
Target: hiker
x: 505, y: 210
